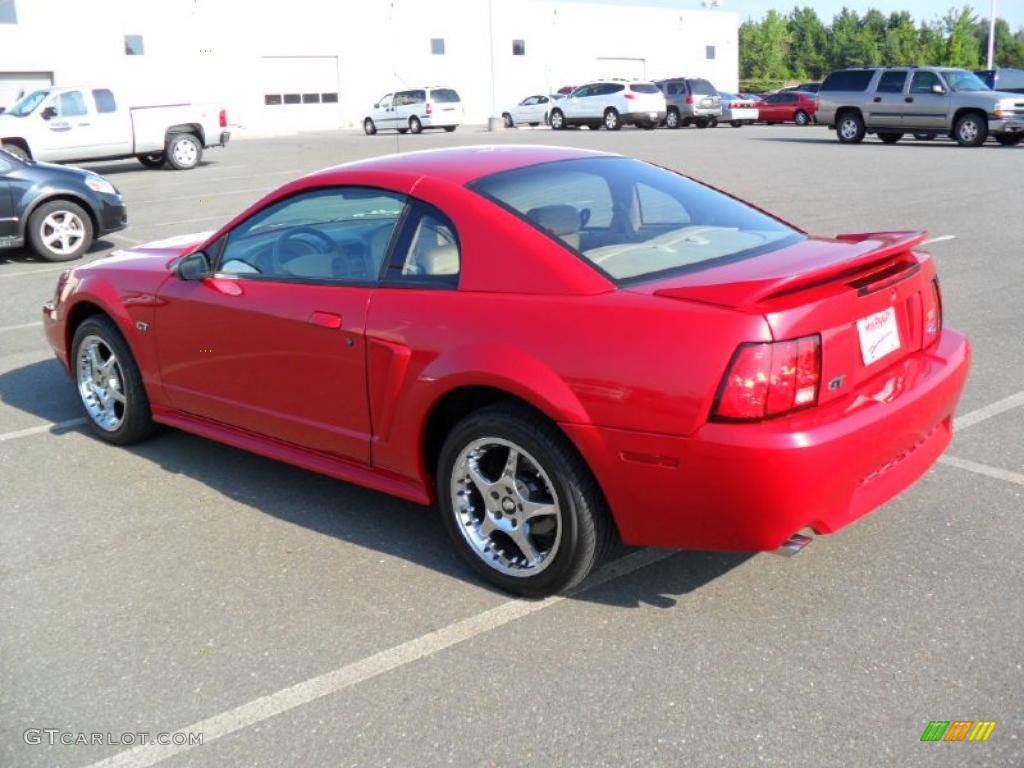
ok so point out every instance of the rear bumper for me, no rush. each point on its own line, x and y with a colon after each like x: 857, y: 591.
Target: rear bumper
x: 225, y: 137
x: 750, y: 486
x: 633, y: 118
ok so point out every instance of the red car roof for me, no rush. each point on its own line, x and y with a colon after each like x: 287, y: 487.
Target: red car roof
x: 458, y: 165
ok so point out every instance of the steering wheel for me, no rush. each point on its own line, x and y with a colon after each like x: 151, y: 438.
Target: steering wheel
x: 279, y: 255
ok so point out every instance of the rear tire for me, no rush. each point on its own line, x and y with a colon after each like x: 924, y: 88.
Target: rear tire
x: 60, y: 231
x: 890, y: 138
x: 17, y: 150
x: 1009, y: 139
x: 801, y: 118
x: 612, y: 121
x: 850, y: 128
x: 971, y: 130
x: 154, y: 161
x: 131, y: 419
x: 369, y: 127
x: 184, y: 151
x: 703, y: 123
x: 578, y: 530
x: 415, y: 126
x: 713, y: 122
x: 672, y: 119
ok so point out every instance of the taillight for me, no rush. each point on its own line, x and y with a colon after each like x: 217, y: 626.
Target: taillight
x: 689, y: 99
x: 932, y: 312
x: 223, y: 118
x: 629, y: 96
x: 767, y: 379
x: 430, y: 108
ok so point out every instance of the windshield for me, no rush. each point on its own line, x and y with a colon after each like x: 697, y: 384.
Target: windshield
x: 27, y: 103
x: 964, y: 81
x: 632, y: 220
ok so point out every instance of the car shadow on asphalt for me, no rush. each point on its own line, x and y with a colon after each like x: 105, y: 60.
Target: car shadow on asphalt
x: 348, y: 512
x: 906, y: 142
x: 130, y: 165
x: 26, y: 256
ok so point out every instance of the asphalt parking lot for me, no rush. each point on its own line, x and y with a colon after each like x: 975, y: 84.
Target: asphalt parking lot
x: 297, y: 620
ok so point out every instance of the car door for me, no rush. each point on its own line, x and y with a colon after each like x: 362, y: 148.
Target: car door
x: 525, y: 110
x: 383, y: 114
x: 924, y: 108
x: 69, y: 130
x: 885, y: 110
x: 575, y: 104
x: 772, y: 109
x: 8, y: 216
x: 273, y: 343
x: 110, y: 124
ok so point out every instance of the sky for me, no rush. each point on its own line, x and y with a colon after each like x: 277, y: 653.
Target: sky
x: 1011, y: 10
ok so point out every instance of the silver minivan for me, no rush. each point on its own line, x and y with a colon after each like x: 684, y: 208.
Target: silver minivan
x: 414, y: 110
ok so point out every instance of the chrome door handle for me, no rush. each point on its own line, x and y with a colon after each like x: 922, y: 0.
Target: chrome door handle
x: 326, y: 319
x: 877, y: 98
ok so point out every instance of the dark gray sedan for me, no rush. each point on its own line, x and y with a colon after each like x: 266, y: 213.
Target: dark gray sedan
x: 55, y: 210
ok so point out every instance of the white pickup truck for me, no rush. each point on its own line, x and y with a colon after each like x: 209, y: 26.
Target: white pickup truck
x: 86, y: 123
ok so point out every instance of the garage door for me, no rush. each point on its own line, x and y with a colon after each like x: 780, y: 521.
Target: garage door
x: 616, y: 66
x: 300, y: 93
x: 13, y: 85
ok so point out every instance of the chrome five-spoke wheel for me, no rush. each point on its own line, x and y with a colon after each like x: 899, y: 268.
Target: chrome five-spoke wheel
x: 62, y: 232
x: 101, y: 383
x: 506, y: 505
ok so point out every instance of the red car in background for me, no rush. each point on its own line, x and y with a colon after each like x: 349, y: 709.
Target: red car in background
x: 558, y: 347
x: 787, y: 107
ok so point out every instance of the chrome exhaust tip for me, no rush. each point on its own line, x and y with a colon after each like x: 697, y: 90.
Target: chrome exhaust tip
x: 793, y: 545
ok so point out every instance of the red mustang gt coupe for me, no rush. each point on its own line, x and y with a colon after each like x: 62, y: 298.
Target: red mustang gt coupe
x: 558, y: 347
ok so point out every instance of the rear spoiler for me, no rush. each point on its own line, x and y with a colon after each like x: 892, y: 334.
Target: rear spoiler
x: 879, y: 248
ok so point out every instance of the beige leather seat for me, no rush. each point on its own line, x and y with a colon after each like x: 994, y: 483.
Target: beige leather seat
x: 443, y: 260
x: 562, y: 221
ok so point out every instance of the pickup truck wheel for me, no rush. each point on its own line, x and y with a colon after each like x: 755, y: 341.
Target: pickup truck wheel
x: 1010, y: 139
x: 890, y: 138
x: 184, y: 151
x: 850, y: 128
x: 971, y: 130
x: 520, y: 503
x: 17, y: 150
x: 60, y: 231
x: 155, y: 160
x: 368, y: 127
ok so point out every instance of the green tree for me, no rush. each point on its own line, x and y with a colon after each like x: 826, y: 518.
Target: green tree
x: 852, y: 41
x: 961, y: 49
x: 901, y: 44
x: 808, y: 43
x: 764, y: 48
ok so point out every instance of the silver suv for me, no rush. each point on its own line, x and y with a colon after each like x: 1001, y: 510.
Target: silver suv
x: 690, y: 100
x: 924, y: 101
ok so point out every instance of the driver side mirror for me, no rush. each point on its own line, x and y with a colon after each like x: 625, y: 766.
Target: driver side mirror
x: 48, y: 113
x: 2, y: 110
x: 938, y: 89
x: 195, y: 266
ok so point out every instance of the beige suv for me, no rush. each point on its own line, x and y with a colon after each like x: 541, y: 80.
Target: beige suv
x: 923, y: 101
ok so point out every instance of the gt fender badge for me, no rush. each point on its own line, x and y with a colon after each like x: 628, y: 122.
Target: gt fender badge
x: 141, y: 326
x: 836, y: 383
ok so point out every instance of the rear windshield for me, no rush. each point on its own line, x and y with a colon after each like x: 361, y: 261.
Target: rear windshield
x: 848, y: 80
x: 702, y: 87
x: 444, y: 95
x: 644, y: 88
x: 634, y: 221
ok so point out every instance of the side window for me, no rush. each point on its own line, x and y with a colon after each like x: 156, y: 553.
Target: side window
x: 71, y: 104
x: 582, y: 91
x: 891, y: 82
x: 335, y: 234
x: 923, y: 82
x: 417, y: 97
x: 775, y: 98
x: 427, y: 251
x: 402, y: 98
x: 614, y: 88
x: 385, y: 102
x: 104, y: 100
x: 658, y: 209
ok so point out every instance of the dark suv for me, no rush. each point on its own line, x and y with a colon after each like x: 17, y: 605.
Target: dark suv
x: 1007, y: 79
x: 690, y: 100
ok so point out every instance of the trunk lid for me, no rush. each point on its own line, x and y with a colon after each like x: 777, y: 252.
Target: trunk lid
x: 863, y: 293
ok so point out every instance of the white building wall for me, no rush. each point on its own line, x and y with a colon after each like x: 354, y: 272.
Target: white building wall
x: 235, y: 53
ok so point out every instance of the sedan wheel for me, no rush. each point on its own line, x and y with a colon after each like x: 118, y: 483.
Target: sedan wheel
x: 557, y: 120
x: 801, y: 117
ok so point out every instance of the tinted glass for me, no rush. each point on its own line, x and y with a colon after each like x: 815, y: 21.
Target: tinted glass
x: 702, y: 87
x: 437, y: 46
x: 133, y: 45
x: 293, y: 98
x: 922, y: 82
x: 518, y: 47
x: 338, y: 234
x: 644, y: 88
x: 633, y: 220
x: 891, y: 82
x: 444, y: 95
x: 8, y: 12
x: 848, y: 80
x: 71, y: 104
x: 104, y: 100
x: 329, y: 98
x: 27, y: 103
x: 963, y: 81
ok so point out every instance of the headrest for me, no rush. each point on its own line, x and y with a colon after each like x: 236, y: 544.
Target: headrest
x: 443, y: 260
x: 556, y: 219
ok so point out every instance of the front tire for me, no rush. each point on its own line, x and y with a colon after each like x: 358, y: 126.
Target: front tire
x: 369, y: 127
x: 154, y: 161
x: 184, y: 151
x: 971, y: 130
x: 1009, y: 139
x: 415, y: 126
x: 850, y: 128
x: 557, y: 120
x: 890, y: 138
x: 612, y: 121
x: 60, y: 231
x: 520, y: 503
x: 109, y: 383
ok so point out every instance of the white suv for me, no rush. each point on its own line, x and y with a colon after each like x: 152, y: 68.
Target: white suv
x: 413, y: 110
x: 611, y: 103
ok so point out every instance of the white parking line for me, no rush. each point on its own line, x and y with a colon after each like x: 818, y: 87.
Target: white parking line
x: 987, y: 412
x: 273, y: 704
x: 983, y: 469
x: 40, y: 271
x: 41, y: 429
x: 940, y: 239
x: 19, y: 327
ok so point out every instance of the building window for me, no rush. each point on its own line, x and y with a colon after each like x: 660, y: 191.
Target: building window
x: 8, y: 13
x: 518, y: 47
x: 311, y: 98
x: 437, y: 46
x: 104, y: 100
x: 329, y: 98
x: 272, y: 99
x: 133, y: 45
x: 709, y: 52
x: 292, y: 98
